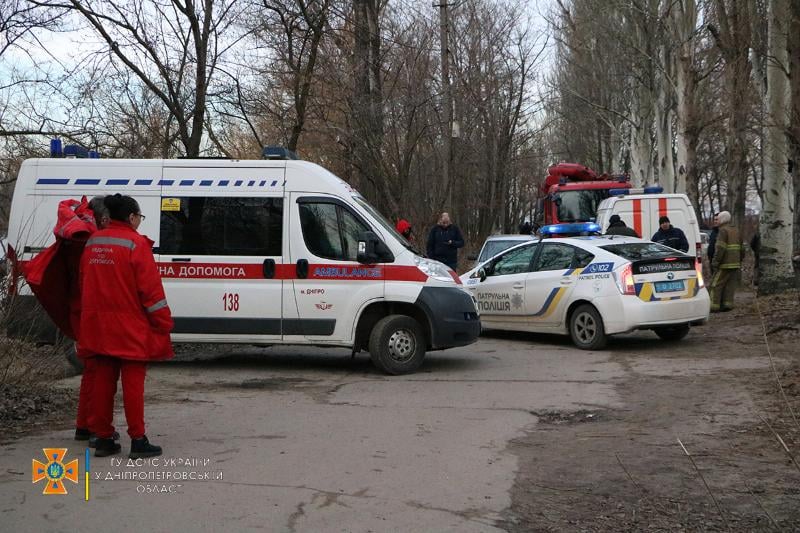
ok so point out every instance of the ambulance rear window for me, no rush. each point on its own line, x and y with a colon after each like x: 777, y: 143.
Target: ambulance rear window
x: 636, y: 251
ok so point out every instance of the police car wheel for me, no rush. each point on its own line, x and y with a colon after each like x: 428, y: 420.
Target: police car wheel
x: 672, y: 333
x: 397, y: 344
x: 586, y: 328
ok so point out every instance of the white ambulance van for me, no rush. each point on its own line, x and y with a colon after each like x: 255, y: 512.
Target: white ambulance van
x: 274, y: 251
x: 640, y: 209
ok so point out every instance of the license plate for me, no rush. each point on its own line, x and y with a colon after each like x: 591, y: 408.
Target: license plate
x: 669, y: 286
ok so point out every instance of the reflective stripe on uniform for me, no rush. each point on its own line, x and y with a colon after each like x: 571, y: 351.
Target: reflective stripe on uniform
x: 156, y: 306
x: 64, y: 227
x: 728, y: 266
x: 117, y: 241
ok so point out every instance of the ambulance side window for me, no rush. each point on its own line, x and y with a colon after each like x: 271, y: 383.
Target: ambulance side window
x: 330, y: 231
x: 222, y: 226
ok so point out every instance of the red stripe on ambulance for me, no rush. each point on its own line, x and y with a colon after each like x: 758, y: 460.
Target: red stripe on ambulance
x: 288, y: 271
x: 637, y: 217
x: 662, y: 207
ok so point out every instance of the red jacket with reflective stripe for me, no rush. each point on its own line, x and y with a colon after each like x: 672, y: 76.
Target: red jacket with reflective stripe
x: 53, y: 274
x: 124, y: 310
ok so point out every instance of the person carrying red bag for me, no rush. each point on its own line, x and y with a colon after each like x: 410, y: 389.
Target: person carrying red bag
x: 53, y: 277
x: 125, y: 322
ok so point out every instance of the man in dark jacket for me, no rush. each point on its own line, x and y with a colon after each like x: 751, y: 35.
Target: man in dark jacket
x: 712, y: 239
x: 616, y: 226
x: 444, y: 241
x: 670, y: 236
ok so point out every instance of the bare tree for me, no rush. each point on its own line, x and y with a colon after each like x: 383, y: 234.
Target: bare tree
x: 776, y: 270
x: 732, y: 28
x: 172, y: 47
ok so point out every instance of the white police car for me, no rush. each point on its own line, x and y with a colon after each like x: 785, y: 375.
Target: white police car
x: 589, y: 287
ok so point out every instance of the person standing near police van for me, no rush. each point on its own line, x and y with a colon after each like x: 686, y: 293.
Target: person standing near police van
x: 616, y: 226
x: 669, y: 235
x: 726, y: 265
x: 124, y: 323
x: 444, y: 240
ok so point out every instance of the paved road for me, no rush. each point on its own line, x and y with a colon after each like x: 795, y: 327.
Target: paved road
x: 310, y: 440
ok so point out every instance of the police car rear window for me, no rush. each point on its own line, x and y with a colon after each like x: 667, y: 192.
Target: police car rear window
x: 636, y: 251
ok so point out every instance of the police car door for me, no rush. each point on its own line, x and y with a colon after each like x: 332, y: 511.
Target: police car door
x: 220, y: 243
x: 549, y: 286
x: 500, y: 296
x: 329, y: 285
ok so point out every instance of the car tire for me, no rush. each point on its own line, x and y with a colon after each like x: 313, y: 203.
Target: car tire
x: 397, y: 345
x: 672, y: 333
x: 586, y: 328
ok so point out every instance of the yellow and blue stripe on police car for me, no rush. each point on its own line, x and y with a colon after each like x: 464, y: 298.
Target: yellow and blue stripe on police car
x: 552, y: 300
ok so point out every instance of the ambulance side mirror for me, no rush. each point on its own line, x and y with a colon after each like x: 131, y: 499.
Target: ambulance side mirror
x: 372, y: 250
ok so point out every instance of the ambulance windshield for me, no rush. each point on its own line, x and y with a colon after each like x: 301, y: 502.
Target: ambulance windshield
x: 383, y: 222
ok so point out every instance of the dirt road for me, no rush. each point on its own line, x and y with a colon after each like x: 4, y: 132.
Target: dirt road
x: 517, y: 432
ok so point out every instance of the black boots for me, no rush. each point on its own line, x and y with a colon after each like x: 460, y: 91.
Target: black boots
x: 93, y: 439
x: 106, y: 447
x: 82, y: 434
x: 141, y: 448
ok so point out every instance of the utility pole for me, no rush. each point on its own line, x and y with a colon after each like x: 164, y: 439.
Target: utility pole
x: 448, y: 101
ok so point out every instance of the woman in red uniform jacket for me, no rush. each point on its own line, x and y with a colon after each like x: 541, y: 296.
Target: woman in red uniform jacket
x: 124, y: 322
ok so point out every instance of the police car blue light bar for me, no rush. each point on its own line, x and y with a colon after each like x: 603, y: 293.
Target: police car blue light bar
x: 655, y: 189
x: 576, y: 228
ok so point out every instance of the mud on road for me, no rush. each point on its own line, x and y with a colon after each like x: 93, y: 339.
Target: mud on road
x: 625, y: 469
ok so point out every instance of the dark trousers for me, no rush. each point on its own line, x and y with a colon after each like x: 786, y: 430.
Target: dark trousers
x: 107, y: 372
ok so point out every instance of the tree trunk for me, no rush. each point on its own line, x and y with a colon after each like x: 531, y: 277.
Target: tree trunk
x: 367, y: 104
x: 640, y: 141
x: 794, y: 132
x: 776, y: 268
x: 684, y: 22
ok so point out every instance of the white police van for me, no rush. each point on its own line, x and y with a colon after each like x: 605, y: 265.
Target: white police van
x: 590, y: 287
x: 274, y: 251
x: 641, y: 209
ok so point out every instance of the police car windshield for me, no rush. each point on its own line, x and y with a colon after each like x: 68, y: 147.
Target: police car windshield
x: 492, y: 248
x: 635, y: 251
x: 579, y: 206
x: 383, y: 222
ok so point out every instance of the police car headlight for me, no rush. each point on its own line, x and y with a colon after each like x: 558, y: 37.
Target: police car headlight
x: 433, y: 269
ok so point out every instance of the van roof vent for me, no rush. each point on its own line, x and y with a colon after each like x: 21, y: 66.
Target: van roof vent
x: 277, y: 152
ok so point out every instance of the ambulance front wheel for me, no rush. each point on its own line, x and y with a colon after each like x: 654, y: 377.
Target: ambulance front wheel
x: 397, y: 344
x: 586, y: 328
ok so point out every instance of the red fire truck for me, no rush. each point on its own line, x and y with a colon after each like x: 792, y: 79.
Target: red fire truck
x: 572, y: 192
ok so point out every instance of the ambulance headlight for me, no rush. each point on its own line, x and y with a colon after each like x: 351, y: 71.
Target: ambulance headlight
x: 433, y: 269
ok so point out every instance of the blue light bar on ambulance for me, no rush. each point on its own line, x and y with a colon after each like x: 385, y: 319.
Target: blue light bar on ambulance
x: 277, y: 152
x: 55, y: 148
x: 640, y: 190
x: 577, y: 228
